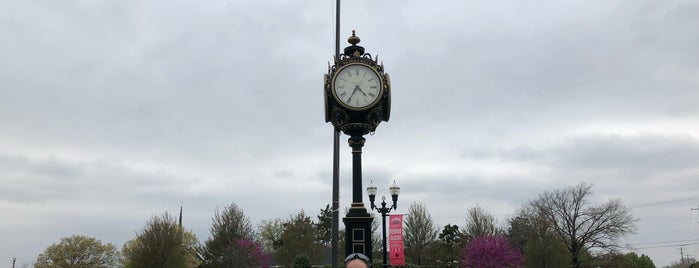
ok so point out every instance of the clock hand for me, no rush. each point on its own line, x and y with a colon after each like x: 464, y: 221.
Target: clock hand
x: 360, y: 90
x: 355, y: 91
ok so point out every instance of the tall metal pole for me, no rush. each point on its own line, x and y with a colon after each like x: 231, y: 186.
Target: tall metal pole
x: 337, y: 31
x: 383, y: 223
x: 336, y: 198
x: 336, y: 158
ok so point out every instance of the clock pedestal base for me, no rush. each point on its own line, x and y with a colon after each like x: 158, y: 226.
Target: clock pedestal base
x: 358, y: 231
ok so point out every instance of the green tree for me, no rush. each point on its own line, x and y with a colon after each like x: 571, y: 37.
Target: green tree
x: 271, y: 234
x: 581, y: 225
x: 450, y: 244
x: 324, y: 226
x: 78, y: 251
x: 298, y: 236
x: 161, y: 244
x: 518, y: 231
x: 302, y: 261
x: 642, y: 261
x: 533, y: 236
x: 229, y: 244
x: 620, y: 260
x: 420, y: 232
x: 544, y: 249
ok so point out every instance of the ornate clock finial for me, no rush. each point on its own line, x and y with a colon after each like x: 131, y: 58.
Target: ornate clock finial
x: 354, y: 50
x: 354, y: 40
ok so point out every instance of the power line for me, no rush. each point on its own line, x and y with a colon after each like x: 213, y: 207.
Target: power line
x: 666, y: 242
x: 696, y: 197
x: 669, y: 246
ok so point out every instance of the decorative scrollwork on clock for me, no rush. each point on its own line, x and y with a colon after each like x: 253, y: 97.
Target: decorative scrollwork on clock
x: 339, y: 117
x: 375, y: 116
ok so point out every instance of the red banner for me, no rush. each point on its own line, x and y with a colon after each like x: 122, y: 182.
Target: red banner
x: 395, y: 240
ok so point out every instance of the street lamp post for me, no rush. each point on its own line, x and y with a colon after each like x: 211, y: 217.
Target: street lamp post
x: 384, y: 211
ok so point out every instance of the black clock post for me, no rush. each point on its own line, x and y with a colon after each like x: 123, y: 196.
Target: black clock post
x: 356, y: 103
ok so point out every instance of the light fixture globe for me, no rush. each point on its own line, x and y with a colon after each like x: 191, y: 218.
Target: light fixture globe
x: 371, y: 190
x: 395, y: 190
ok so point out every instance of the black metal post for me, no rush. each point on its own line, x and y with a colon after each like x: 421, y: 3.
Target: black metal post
x: 336, y: 161
x: 357, y: 142
x: 336, y: 199
x: 383, y: 222
x: 358, y: 221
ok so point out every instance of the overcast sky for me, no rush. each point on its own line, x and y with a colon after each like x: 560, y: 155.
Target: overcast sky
x: 114, y: 111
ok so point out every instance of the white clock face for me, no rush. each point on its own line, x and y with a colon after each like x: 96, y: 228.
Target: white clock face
x: 357, y: 86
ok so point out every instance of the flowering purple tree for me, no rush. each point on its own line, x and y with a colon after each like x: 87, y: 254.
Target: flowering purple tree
x: 252, y: 253
x: 490, y: 252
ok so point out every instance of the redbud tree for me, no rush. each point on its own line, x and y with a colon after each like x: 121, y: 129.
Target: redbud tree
x: 490, y: 252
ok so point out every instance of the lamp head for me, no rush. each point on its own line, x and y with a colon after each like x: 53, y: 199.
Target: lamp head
x: 371, y: 190
x: 395, y: 190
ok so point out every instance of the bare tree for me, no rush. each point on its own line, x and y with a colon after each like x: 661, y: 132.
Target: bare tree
x: 581, y: 225
x: 480, y: 222
x: 420, y: 232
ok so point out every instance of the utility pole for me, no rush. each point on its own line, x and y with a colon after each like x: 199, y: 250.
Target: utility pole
x: 681, y: 251
x: 688, y: 257
x: 682, y: 256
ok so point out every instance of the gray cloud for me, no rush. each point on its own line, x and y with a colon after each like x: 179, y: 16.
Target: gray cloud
x: 643, y: 152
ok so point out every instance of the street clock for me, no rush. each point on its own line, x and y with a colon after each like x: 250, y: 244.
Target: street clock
x: 357, y: 91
